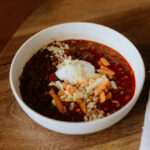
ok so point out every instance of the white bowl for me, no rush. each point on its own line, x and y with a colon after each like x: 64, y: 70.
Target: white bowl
x: 77, y: 30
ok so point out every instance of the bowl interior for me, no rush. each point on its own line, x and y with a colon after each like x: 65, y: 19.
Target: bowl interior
x: 85, y: 31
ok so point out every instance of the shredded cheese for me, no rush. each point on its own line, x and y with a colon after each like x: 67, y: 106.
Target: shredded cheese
x: 82, y: 85
x: 113, y: 84
x: 96, y: 83
x: 78, y: 95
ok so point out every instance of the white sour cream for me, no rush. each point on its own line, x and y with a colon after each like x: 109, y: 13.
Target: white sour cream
x: 74, y: 71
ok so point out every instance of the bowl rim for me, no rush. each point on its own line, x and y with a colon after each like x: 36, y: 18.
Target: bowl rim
x: 20, y: 100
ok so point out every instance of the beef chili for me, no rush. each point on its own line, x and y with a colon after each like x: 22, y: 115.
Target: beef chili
x: 77, y: 80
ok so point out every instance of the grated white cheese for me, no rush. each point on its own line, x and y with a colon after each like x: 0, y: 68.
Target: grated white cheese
x: 95, y: 98
x: 55, y: 49
x: 54, y: 84
x: 91, y: 105
x: 58, y: 49
x: 116, y: 102
x: 71, y: 106
x: 86, y: 118
x: 69, y: 95
x: 69, y: 99
x: 96, y: 93
x: 64, y: 96
x: 78, y: 95
x: 92, y: 75
x: 54, y: 102
x: 96, y: 83
x: 57, y: 84
x: 114, y: 85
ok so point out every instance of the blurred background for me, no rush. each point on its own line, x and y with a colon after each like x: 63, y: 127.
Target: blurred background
x: 130, y: 17
x: 12, y: 15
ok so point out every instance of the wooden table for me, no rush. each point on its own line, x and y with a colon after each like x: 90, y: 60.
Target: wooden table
x: 18, y: 131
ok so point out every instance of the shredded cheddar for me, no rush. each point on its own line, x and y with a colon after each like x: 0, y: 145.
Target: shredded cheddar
x: 71, y: 90
x: 105, y: 68
x: 81, y: 81
x: 59, y: 104
x: 102, y: 97
x: 104, y: 62
x: 91, y: 82
x: 61, y: 93
x: 102, y: 86
x: 106, y: 72
x: 109, y: 95
x: 77, y: 110
x: 77, y: 100
x: 83, y: 107
x: 64, y: 84
x: 100, y: 63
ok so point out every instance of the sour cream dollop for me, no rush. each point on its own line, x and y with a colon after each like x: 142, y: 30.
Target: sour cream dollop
x: 74, y: 70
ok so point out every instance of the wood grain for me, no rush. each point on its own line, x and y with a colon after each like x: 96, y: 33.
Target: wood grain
x: 18, y: 131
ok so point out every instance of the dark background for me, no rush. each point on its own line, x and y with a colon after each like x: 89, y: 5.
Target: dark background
x: 12, y: 15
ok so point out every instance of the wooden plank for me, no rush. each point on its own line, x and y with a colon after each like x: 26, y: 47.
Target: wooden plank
x: 124, y: 143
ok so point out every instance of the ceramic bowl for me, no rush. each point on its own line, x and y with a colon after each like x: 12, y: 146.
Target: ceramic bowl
x: 77, y: 30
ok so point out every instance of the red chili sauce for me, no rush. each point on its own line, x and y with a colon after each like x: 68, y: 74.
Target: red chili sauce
x: 40, y: 70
